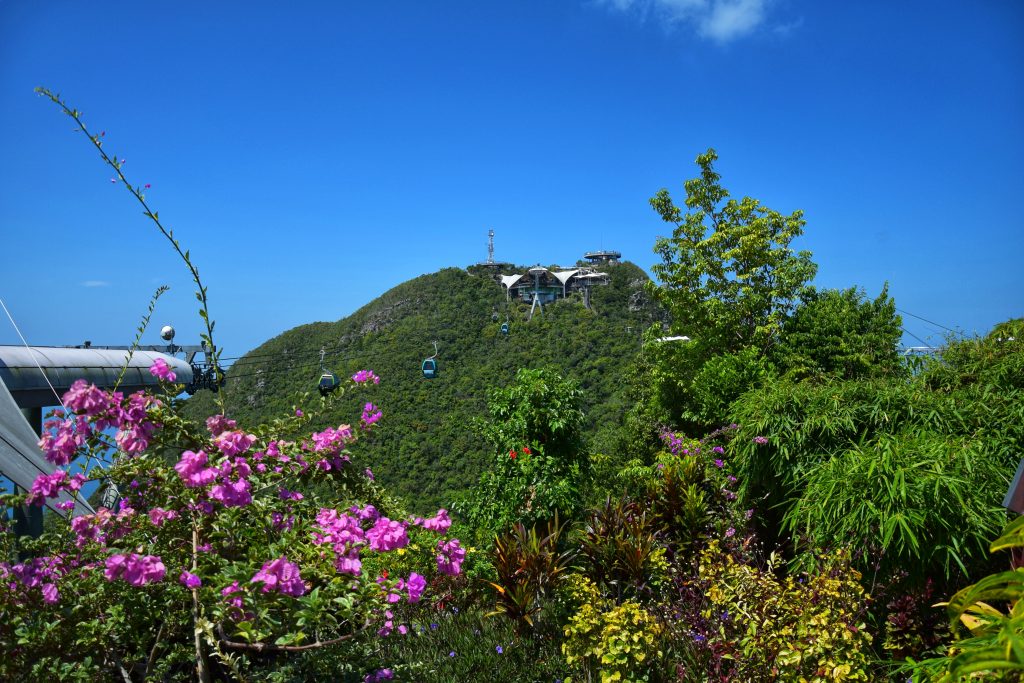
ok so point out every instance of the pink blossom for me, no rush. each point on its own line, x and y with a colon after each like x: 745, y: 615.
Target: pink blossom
x: 760, y: 440
x: 50, y: 485
x: 369, y: 474
x: 440, y: 522
x: 232, y: 443
x: 135, y: 439
x: 190, y: 580
x: 161, y: 370
x: 217, y: 424
x: 364, y: 376
x: 232, y: 493
x: 332, y: 440
x: 60, y: 448
x: 192, y: 471
x: 371, y: 414
x: 285, y: 494
x: 86, y: 398
x: 387, y: 535
x: 158, y: 516
x: 365, y: 513
x: 137, y: 570
x: 450, y: 557
x: 228, y: 591
x: 415, y: 585
x: 282, y: 576
x: 50, y: 594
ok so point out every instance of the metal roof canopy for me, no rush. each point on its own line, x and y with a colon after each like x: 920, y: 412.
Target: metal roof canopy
x: 20, y: 457
x: 62, y: 366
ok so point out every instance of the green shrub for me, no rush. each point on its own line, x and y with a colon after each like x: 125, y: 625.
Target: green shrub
x: 618, y: 642
x: 807, y: 628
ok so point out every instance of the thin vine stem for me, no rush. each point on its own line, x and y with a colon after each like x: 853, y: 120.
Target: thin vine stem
x: 154, y: 216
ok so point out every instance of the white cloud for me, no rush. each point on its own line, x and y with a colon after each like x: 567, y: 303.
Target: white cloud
x: 730, y: 19
x: 718, y: 20
x: 95, y: 283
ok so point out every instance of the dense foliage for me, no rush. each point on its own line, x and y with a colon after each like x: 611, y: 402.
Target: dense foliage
x: 429, y: 448
x: 808, y: 539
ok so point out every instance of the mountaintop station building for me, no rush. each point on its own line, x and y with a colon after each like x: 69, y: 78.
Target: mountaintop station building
x: 549, y: 285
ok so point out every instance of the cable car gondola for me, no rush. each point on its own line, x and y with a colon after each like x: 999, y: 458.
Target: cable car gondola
x: 504, y: 328
x: 328, y: 380
x: 429, y: 365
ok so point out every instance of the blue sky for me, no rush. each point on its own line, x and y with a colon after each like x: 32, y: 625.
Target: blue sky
x: 313, y: 155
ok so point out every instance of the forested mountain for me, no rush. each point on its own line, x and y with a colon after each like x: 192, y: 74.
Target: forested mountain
x: 427, y: 448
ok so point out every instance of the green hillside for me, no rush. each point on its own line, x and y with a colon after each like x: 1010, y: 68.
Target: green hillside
x: 427, y: 448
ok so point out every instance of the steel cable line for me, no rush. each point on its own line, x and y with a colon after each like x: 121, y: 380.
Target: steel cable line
x: 948, y: 329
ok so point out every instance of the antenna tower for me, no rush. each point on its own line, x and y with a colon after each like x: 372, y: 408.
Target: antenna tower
x: 490, y: 246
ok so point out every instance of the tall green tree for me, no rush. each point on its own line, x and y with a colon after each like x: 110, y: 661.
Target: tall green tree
x: 841, y: 333
x: 728, y: 272
x: 729, y: 280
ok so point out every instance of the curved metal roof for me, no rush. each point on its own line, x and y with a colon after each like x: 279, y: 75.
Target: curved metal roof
x: 62, y: 366
x: 20, y: 457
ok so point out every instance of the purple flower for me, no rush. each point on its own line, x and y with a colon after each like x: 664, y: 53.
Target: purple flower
x: 450, y: 557
x: 162, y: 371
x: 282, y: 576
x: 719, y: 463
x: 499, y: 650
x: 190, y: 580
x: 415, y: 585
x: 371, y: 414
x: 364, y: 376
x: 387, y: 535
x: 137, y: 570
x: 760, y: 440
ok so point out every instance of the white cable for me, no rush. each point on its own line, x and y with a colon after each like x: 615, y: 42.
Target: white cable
x: 32, y: 353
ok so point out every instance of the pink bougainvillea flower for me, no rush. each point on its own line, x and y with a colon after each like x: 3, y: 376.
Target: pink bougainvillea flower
x: 282, y: 576
x: 190, y: 580
x: 450, y: 557
x: 387, y: 535
x: 371, y: 414
x: 364, y: 376
x: 191, y: 468
x: 162, y: 371
x: 415, y: 586
x: 440, y: 522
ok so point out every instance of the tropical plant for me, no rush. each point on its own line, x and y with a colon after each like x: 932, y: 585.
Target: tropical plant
x: 991, y: 642
x: 529, y: 566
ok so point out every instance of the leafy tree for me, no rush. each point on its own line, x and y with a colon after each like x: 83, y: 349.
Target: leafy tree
x: 729, y: 280
x: 841, y: 333
x: 728, y: 272
x: 540, y: 464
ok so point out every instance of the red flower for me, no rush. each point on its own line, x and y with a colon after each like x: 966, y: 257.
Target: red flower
x: 526, y: 450
x: 512, y: 454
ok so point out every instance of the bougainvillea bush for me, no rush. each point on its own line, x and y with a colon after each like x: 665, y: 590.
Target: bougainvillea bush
x: 228, y: 551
